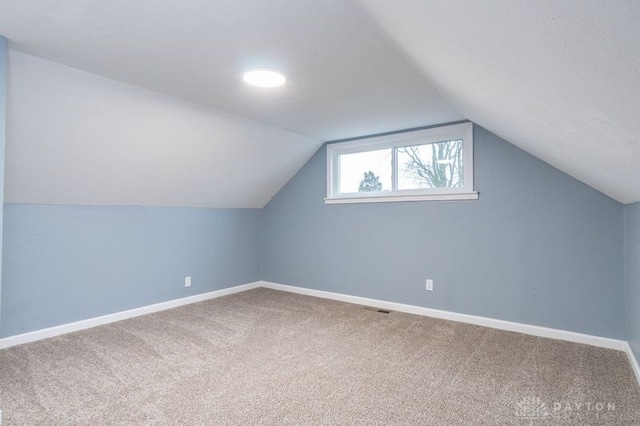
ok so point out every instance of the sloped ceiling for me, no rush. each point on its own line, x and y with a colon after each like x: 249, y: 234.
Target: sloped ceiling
x: 560, y: 79
x: 343, y: 77
x: 77, y: 138
x: 131, y: 147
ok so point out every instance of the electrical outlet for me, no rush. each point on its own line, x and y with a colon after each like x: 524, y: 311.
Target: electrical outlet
x: 429, y: 285
x: 187, y: 281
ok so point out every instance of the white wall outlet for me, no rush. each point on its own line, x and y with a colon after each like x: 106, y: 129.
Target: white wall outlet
x: 187, y: 281
x: 429, y: 285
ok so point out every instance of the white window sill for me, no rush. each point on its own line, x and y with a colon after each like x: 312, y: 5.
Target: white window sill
x: 403, y: 198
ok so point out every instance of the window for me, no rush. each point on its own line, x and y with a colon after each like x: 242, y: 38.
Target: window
x: 431, y: 164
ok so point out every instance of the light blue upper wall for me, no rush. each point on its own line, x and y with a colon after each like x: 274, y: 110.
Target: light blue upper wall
x: 632, y: 272
x: 68, y: 263
x: 4, y: 66
x: 538, y: 247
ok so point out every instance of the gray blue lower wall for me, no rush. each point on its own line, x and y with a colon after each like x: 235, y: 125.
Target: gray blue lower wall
x: 538, y: 247
x: 4, y: 62
x: 63, y: 263
x: 632, y: 272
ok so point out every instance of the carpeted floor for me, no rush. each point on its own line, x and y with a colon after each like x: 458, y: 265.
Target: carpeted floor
x: 269, y: 357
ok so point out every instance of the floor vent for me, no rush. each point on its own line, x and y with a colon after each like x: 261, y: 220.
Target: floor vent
x: 373, y: 309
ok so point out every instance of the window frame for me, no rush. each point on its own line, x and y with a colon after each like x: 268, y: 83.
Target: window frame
x: 463, y: 131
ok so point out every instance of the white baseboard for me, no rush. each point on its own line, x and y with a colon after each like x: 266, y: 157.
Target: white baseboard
x: 634, y: 362
x: 534, y: 330
x: 45, y: 333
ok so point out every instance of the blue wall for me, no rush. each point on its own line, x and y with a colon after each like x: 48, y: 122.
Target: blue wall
x: 538, y: 247
x: 64, y: 264
x: 4, y: 63
x: 632, y: 270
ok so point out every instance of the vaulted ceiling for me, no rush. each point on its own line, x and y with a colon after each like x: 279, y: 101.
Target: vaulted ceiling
x: 559, y: 79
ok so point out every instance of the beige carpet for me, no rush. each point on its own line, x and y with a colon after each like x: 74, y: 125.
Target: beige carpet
x: 268, y: 357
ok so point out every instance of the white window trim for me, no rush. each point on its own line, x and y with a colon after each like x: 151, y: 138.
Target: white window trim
x: 462, y: 131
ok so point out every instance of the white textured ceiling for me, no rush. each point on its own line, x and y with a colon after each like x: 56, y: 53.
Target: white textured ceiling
x: 560, y: 79
x: 343, y: 78
x: 100, y: 142
x: 78, y: 138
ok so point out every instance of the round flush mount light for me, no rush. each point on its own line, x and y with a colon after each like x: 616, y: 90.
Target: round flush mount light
x: 264, y: 78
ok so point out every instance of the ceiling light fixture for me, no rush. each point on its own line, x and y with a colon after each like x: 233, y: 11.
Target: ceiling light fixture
x: 264, y: 78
